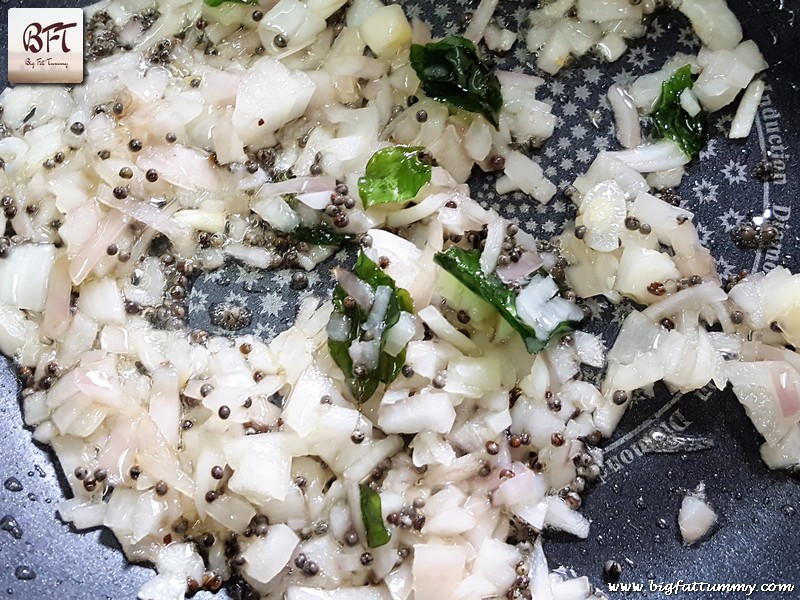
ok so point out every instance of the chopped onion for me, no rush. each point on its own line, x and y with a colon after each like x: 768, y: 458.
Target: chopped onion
x: 357, y: 289
x: 713, y: 22
x: 695, y: 519
x: 25, y: 274
x: 495, y: 232
x: 626, y: 117
x: 266, y: 556
x: 446, y: 330
x: 746, y: 113
x: 693, y: 297
x: 648, y: 158
x: 480, y: 19
x: 528, y: 263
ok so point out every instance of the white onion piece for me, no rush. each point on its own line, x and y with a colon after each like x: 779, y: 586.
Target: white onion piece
x: 338, y: 328
x: 386, y: 31
x: 212, y: 222
x: 692, y: 297
x: 725, y: 73
x: 526, y: 175
x: 101, y: 300
x: 446, y: 330
x: 713, y: 22
x: 603, y: 213
x: 666, y: 179
x: 606, y: 167
x: 562, y: 517
x: 527, y: 264
x: 325, y: 8
x: 748, y: 108
x: 531, y: 300
x: 421, y: 412
x: 499, y: 39
x: 754, y: 386
x: 181, y: 166
x: 611, y: 47
x: 276, y: 211
x: 526, y: 487
x: 689, y: 102
x: 609, y: 10
x: 558, y: 310
x: 82, y: 514
x: 176, y: 565
x: 577, y: 588
x: 25, y: 274
x: 660, y: 156
x: 755, y: 351
x: 626, y: 117
x: 57, y: 306
x: 245, y: 455
x: 480, y: 19
x: 365, y: 353
x: 638, y: 268
x: 407, y: 264
x: 299, y: 185
x: 590, y: 349
x: 266, y: 556
x: 662, y: 217
x: 437, y: 570
x: 377, y: 314
x: 398, y: 336
x: 158, y: 219
x: 695, y: 519
x: 250, y: 255
x: 786, y: 453
x: 495, y: 232
x: 316, y: 200
x: 269, y: 96
x: 13, y: 330
x: 417, y: 212
x: 95, y: 248
x: 786, y: 391
x: 357, y: 289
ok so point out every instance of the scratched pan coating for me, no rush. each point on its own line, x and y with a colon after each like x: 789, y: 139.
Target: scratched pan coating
x: 634, y: 508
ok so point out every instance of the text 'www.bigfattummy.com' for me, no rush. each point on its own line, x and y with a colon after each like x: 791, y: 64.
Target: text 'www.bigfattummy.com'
x: 681, y: 587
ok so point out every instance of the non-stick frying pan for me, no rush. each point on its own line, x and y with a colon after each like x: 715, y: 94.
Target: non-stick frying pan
x: 634, y: 509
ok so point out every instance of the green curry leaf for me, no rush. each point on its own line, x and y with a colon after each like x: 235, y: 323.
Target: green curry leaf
x: 451, y: 71
x: 389, y: 366
x: 393, y: 174
x: 372, y: 517
x: 465, y: 266
x: 673, y: 122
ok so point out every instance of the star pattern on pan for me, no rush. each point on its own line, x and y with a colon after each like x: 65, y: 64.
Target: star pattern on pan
x: 735, y: 172
x: 705, y: 192
x: 730, y: 220
x: 640, y: 58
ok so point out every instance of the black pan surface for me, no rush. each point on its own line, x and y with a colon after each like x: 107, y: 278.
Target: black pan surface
x: 634, y: 508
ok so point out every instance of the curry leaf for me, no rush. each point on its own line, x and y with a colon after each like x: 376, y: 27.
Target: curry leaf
x: 321, y: 235
x: 465, y: 266
x: 394, y: 174
x: 372, y: 517
x: 673, y: 122
x: 388, y: 366
x: 451, y: 71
